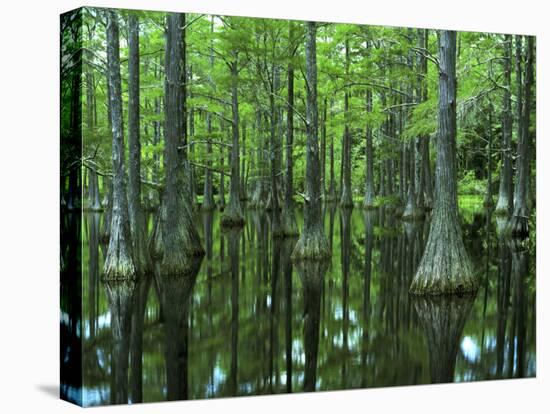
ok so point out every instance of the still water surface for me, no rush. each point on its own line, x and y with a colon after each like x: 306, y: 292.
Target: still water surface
x: 247, y: 321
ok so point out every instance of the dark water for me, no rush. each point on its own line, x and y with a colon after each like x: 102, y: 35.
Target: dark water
x: 246, y: 321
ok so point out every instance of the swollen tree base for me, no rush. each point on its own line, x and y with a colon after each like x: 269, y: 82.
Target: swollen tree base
x: 231, y: 218
x: 119, y: 263
x: 445, y: 267
x: 311, y: 246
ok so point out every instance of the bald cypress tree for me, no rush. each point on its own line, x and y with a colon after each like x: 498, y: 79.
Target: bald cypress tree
x: 135, y: 208
x: 445, y: 266
x: 180, y: 239
x: 312, y: 243
x: 119, y: 261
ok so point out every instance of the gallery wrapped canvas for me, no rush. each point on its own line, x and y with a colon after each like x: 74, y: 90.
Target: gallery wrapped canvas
x: 255, y: 206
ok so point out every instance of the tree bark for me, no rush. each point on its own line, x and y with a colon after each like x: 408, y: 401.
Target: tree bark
x: 290, y: 227
x: 445, y: 266
x: 276, y: 226
x: 233, y: 214
x: 519, y: 224
x: 505, y: 201
x: 208, y: 196
x: 488, y: 202
x: 312, y: 243
x: 346, y: 199
x: 119, y: 261
x: 135, y: 208
x: 180, y: 239
x: 368, y: 201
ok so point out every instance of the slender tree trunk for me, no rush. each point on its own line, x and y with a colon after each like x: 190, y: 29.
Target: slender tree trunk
x: 324, y: 150
x: 135, y: 209
x: 208, y: 196
x: 519, y: 223
x: 312, y: 243
x: 276, y: 227
x: 233, y: 214
x: 445, y: 266
x: 290, y: 227
x: 412, y: 212
x: 347, y: 197
x: 488, y: 202
x: 179, y: 233
x: 505, y: 201
x: 331, y: 196
x: 368, y: 201
x: 119, y: 261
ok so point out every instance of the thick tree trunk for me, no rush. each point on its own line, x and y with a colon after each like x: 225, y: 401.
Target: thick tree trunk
x: 312, y: 243
x: 119, y: 261
x: 135, y: 209
x: 505, y: 201
x: 290, y: 227
x: 368, y: 201
x: 519, y: 224
x: 445, y: 266
x: 180, y: 239
x: 233, y: 214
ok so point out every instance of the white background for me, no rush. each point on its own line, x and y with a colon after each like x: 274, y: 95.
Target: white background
x: 29, y: 252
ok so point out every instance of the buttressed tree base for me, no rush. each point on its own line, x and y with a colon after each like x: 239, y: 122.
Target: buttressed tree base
x: 256, y: 206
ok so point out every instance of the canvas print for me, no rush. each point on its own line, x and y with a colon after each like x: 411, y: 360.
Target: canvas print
x: 256, y: 206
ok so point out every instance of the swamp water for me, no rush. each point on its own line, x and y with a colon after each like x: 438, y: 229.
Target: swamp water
x: 247, y: 321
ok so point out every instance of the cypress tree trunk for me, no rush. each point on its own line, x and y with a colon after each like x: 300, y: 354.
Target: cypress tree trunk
x: 324, y: 150
x: 276, y: 228
x: 520, y: 217
x: 208, y: 196
x: 505, y: 199
x: 445, y: 266
x: 347, y: 198
x: 312, y: 243
x: 426, y: 174
x: 94, y: 202
x: 233, y: 214
x: 221, y: 198
x: 119, y: 261
x: 135, y: 209
x: 290, y: 227
x: 488, y: 202
x: 331, y: 196
x: 412, y: 212
x: 368, y: 201
x: 180, y: 239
